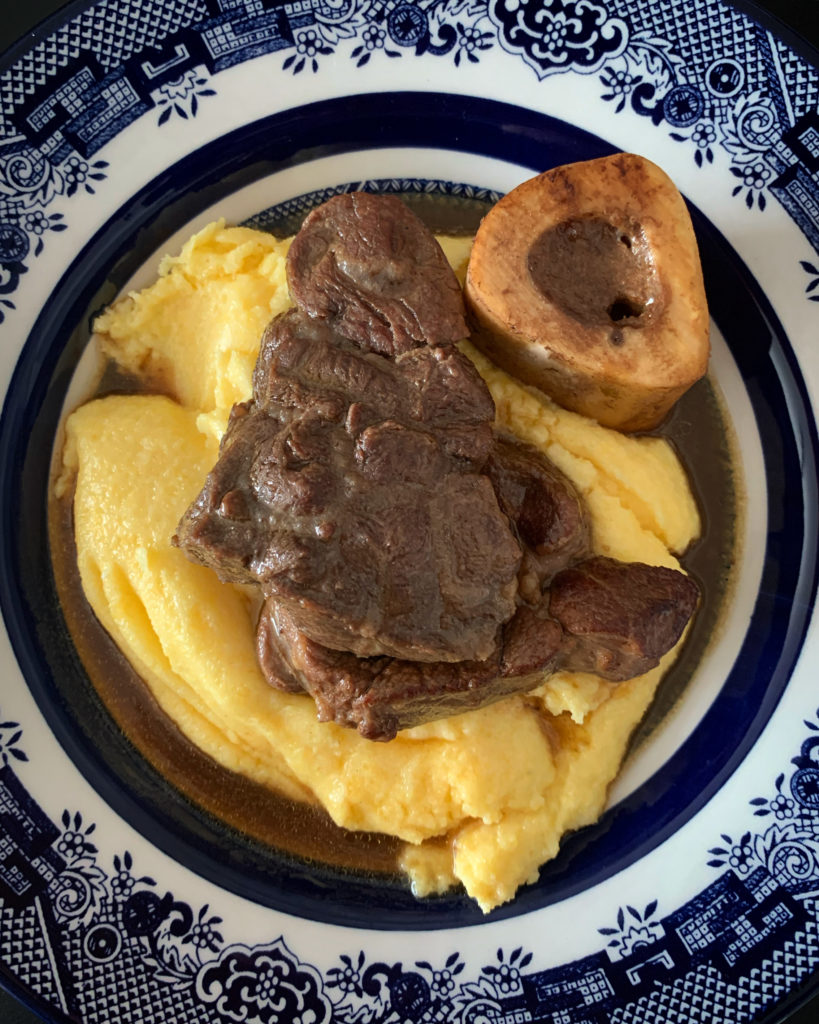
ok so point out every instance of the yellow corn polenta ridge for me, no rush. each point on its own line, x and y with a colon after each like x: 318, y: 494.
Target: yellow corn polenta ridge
x: 456, y: 249
x: 493, y: 864
x: 139, y: 460
x: 643, y: 474
x: 428, y: 867
x: 198, y: 326
x: 577, y: 693
x: 482, y: 763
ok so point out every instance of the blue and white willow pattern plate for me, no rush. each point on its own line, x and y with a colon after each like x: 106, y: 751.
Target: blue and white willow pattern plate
x: 136, y: 121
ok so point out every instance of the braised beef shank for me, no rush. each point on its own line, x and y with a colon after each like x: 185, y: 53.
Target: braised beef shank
x: 370, y: 265
x: 413, y: 563
x: 576, y: 627
x: 351, y: 489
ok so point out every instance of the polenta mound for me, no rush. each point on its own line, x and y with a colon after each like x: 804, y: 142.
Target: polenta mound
x: 481, y: 799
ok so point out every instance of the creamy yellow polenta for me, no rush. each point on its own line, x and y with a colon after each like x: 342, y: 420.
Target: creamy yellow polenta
x: 500, y: 785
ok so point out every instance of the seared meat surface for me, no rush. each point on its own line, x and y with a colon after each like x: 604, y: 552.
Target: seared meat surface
x: 414, y: 564
x: 371, y: 266
x: 612, y: 618
x: 620, y: 618
x: 546, y: 511
x: 379, y: 696
x: 351, y: 489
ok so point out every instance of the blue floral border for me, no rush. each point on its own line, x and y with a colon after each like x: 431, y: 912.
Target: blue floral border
x: 85, y: 935
x: 717, y: 83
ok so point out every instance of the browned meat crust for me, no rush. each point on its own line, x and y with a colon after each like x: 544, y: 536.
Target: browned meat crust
x: 414, y: 564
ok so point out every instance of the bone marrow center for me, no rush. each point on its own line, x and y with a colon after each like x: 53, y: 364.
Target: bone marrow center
x: 598, y: 272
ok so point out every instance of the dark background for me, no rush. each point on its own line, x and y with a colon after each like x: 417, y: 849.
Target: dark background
x: 797, y: 18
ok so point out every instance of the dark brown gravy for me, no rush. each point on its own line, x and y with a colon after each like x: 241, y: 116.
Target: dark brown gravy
x: 698, y: 429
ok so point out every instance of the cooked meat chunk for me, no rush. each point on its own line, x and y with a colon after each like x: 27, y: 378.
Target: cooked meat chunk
x: 620, y: 618
x: 305, y: 363
x: 531, y: 645
x: 414, y: 565
x: 379, y: 696
x: 370, y: 266
x: 546, y: 510
x: 350, y: 488
x: 611, y: 618
x: 224, y: 528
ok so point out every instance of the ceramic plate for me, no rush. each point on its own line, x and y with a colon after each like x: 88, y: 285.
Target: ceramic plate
x: 694, y: 899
